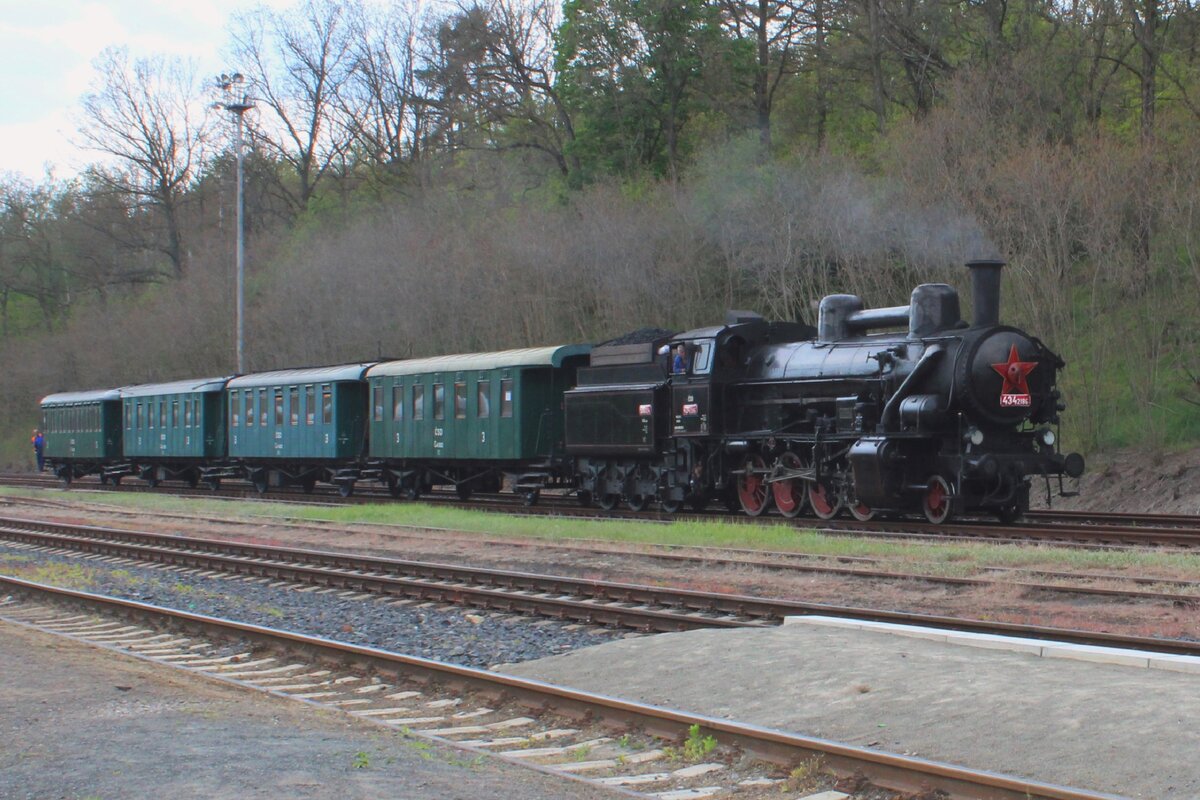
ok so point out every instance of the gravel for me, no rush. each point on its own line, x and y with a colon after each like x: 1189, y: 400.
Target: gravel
x: 457, y: 635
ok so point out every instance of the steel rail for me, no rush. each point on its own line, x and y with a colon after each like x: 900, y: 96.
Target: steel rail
x: 586, y: 600
x: 889, y: 770
x: 1075, y: 528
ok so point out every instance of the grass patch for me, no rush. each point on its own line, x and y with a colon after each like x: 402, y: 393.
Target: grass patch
x: 65, y: 576
x: 941, y: 559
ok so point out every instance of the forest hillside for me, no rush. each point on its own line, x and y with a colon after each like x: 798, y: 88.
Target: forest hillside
x: 424, y: 179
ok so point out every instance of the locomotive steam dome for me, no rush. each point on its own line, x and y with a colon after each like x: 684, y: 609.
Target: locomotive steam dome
x: 1005, y: 376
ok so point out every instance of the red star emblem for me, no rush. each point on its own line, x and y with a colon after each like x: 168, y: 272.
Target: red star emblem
x: 1014, y: 372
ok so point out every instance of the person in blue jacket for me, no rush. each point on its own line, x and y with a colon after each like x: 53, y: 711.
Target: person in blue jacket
x: 679, y: 364
x: 39, y: 449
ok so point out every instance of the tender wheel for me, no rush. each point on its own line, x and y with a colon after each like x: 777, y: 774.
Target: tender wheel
x: 637, y: 502
x: 193, y: 480
x: 309, y: 484
x: 152, y: 482
x: 259, y: 482
x: 936, y: 501
x: 345, y: 488
x: 862, y: 512
x: 65, y: 476
x: 584, y: 497
x: 103, y: 479
x: 789, y: 494
x: 531, y: 497
x: 609, y: 501
x: 412, y: 493
x: 753, y: 492
x: 672, y: 506
x: 824, y: 500
x: 463, y: 490
x: 393, y: 487
x: 213, y: 484
x: 115, y: 480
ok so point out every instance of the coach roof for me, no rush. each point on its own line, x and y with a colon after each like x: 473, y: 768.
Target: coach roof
x: 175, y: 387
x: 468, y: 362
x: 74, y: 398
x: 288, y: 377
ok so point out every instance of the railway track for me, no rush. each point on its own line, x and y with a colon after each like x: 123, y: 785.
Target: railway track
x: 595, y: 602
x: 858, y: 567
x: 575, y: 734
x: 1067, y: 528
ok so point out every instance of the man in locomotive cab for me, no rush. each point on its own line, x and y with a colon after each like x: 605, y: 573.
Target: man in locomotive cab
x: 679, y: 364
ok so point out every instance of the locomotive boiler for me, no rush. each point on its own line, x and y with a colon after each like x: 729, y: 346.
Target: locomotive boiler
x: 897, y: 410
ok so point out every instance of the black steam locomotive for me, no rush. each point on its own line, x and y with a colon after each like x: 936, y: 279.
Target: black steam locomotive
x: 943, y: 417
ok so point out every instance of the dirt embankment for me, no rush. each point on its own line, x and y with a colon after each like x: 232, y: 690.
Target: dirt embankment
x: 1139, y: 482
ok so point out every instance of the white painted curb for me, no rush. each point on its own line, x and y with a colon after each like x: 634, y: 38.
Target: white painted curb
x: 1036, y: 647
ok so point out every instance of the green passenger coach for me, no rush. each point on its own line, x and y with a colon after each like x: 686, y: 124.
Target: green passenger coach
x: 175, y: 431
x: 83, y: 432
x: 470, y: 420
x: 295, y: 427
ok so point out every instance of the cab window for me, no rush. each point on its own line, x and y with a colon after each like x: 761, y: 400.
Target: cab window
x: 702, y: 358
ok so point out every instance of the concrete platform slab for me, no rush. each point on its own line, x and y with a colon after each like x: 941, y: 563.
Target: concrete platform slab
x: 1099, y: 726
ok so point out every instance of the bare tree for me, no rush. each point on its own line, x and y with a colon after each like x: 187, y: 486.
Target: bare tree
x: 143, y: 114
x: 383, y: 100
x: 299, y: 61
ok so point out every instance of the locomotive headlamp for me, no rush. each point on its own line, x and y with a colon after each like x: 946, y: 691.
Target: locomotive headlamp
x: 1047, y: 436
x: 975, y: 436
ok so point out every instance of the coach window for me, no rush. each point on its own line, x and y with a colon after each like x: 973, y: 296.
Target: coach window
x: 263, y: 411
x: 140, y: 418
x: 174, y: 413
x: 439, y: 401
x: 128, y: 416
x: 484, y: 398
x: 506, y: 397
x: 326, y: 404
x: 398, y: 403
x: 279, y: 408
x: 294, y: 405
x: 162, y: 413
x: 460, y: 401
x: 249, y: 394
x: 187, y: 411
x: 310, y: 404
x: 235, y: 409
x: 418, y: 402
x: 377, y: 402
x: 150, y: 413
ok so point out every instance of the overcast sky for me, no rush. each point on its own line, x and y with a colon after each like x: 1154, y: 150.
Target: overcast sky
x: 46, y: 52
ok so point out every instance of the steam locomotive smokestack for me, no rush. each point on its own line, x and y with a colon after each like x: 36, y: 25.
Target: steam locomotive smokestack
x: 985, y: 291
